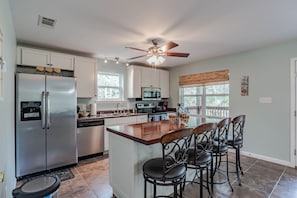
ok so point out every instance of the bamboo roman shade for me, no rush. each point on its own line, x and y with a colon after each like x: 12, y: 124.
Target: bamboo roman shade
x: 204, y: 78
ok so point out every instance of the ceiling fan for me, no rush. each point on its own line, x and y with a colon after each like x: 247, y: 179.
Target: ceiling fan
x: 157, y: 51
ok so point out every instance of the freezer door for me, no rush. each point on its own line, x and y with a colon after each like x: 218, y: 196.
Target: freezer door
x: 30, y: 137
x: 61, y: 121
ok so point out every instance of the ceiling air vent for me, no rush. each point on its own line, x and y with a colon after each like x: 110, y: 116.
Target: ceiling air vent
x: 46, y: 22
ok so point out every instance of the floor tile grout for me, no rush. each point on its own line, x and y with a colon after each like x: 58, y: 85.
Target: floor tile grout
x: 277, y: 182
x: 259, y: 186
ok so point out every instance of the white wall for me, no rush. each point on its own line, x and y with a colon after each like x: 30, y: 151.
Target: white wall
x: 267, y: 129
x: 110, y: 67
x: 7, y: 162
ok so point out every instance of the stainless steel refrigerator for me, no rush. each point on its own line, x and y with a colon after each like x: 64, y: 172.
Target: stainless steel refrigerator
x: 45, y: 122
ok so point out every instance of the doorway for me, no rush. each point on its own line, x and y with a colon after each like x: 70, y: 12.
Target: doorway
x: 293, y: 113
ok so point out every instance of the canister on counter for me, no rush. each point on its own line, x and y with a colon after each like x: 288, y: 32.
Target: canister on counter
x: 93, y: 109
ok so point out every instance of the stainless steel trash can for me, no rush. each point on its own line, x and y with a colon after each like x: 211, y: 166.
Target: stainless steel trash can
x: 41, y: 187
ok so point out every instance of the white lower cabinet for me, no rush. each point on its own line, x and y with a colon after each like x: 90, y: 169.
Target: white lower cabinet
x: 119, y: 121
x: 141, y: 119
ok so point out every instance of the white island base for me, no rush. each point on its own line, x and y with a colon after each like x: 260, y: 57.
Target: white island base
x: 126, y: 158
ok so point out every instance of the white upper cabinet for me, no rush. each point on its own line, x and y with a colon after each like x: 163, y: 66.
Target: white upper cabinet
x: 63, y: 61
x: 32, y: 57
x: 164, y: 83
x: 86, y: 73
x: 134, y: 82
x: 138, y: 77
x: 36, y: 57
x: 85, y: 69
x: 150, y: 77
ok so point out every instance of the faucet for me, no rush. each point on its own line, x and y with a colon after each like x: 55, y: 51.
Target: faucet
x: 118, y: 110
x: 119, y: 107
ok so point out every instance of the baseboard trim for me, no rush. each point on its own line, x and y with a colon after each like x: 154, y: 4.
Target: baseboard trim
x: 268, y: 159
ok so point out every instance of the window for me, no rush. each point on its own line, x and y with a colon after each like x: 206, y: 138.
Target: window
x: 110, y: 87
x: 210, y: 101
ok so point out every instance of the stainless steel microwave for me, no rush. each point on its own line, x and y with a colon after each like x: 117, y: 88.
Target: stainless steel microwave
x: 151, y: 93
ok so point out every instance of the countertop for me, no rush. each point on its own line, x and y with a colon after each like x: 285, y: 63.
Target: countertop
x: 115, y: 115
x: 145, y: 133
x: 107, y: 115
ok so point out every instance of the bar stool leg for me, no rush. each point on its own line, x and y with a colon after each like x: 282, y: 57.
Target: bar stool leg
x: 228, y: 171
x: 207, y: 182
x: 155, y: 189
x: 175, y: 191
x: 220, y: 161
x: 216, y: 165
x: 201, y: 183
x: 211, y: 175
x: 144, y: 188
x: 239, y: 165
x: 181, y: 189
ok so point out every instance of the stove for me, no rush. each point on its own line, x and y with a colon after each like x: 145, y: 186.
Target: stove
x: 145, y: 108
x: 154, y: 113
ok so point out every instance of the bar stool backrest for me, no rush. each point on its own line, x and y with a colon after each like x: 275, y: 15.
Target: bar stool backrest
x: 237, y: 130
x: 204, y: 136
x: 175, y: 146
x: 222, y: 131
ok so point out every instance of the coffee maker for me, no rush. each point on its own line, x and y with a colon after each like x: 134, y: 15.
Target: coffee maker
x: 163, y: 105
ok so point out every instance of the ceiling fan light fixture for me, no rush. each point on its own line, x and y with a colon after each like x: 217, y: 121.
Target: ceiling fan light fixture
x: 117, y: 60
x: 155, y: 60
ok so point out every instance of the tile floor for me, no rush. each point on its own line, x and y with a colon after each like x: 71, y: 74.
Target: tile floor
x: 261, y: 179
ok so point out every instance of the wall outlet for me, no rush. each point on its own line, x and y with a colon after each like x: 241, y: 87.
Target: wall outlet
x: 265, y: 100
x: 1, y: 176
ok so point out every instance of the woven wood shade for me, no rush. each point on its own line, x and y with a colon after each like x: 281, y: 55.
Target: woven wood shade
x: 204, y: 78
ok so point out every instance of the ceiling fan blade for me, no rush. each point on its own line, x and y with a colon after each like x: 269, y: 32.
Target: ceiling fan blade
x: 168, y: 46
x: 177, y: 54
x: 136, y: 57
x: 136, y: 49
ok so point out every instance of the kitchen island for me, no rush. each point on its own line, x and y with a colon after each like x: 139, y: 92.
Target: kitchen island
x: 130, y: 146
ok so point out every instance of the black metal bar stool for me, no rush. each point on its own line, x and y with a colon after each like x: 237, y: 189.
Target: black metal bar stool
x: 200, y: 156
x: 235, y: 141
x: 170, y: 169
x: 220, y: 149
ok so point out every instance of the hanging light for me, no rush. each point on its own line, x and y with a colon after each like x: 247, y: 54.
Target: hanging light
x: 105, y: 60
x: 155, y: 60
x: 117, y: 60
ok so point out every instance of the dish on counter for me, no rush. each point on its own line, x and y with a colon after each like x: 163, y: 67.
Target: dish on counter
x: 84, y: 114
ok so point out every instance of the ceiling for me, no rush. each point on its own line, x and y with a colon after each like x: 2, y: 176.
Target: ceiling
x: 203, y: 28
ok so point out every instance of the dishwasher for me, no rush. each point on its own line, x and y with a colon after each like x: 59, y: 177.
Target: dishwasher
x: 90, y: 137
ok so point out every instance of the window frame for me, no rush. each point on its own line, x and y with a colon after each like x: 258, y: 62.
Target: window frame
x: 120, y: 87
x: 203, y: 109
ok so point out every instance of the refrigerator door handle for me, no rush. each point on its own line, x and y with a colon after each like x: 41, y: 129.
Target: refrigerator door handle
x: 43, y: 111
x: 48, y: 110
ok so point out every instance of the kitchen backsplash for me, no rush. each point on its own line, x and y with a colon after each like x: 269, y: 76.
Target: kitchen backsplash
x: 105, y: 106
